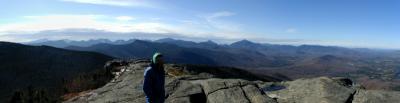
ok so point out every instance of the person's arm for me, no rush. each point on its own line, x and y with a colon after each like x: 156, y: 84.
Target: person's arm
x: 147, y: 85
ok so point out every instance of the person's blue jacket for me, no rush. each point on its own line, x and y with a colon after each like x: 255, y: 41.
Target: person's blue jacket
x: 153, y: 84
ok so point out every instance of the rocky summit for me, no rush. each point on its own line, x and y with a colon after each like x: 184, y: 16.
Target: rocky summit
x: 206, y: 84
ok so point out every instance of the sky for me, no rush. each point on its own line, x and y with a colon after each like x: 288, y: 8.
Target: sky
x: 349, y: 23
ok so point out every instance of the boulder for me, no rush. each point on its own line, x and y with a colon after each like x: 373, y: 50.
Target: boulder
x: 317, y: 90
x: 234, y: 91
x: 181, y: 91
x: 255, y: 95
x: 376, y: 96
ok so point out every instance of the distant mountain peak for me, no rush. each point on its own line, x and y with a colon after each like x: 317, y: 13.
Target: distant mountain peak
x: 165, y: 40
x: 245, y: 40
x: 39, y: 41
x: 245, y: 43
x: 173, y: 41
x: 209, y: 42
x: 62, y: 43
x: 140, y: 41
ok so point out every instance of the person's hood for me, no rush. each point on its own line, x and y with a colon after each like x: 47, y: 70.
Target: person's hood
x: 153, y: 60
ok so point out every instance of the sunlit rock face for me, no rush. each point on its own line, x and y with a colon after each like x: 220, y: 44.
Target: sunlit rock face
x: 205, y: 84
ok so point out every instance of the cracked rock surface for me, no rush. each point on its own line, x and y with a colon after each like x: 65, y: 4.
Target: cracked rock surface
x: 202, y: 84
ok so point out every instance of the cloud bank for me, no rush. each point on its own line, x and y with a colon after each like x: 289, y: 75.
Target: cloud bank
x: 122, y: 3
x: 211, y: 26
x: 208, y: 27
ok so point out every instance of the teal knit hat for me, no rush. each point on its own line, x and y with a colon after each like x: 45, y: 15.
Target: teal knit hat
x: 157, y: 54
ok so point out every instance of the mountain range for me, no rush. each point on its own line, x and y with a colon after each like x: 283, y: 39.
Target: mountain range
x: 69, y: 66
x: 82, y: 43
x: 286, y: 61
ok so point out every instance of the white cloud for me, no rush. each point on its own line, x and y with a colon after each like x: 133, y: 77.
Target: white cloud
x: 214, y: 20
x: 81, y: 27
x: 59, y: 22
x: 49, y: 22
x: 155, y: 19
x: 124, y: 18
x: 202, y: 28
x: 123, y: 3
x: 218, y: 23
x: 219, y: 14
x: 291, y: 30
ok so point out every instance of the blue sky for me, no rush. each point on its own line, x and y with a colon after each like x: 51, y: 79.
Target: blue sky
x: 351, y: 23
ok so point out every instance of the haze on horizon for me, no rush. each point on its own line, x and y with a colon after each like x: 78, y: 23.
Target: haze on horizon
x: 349, y: 23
